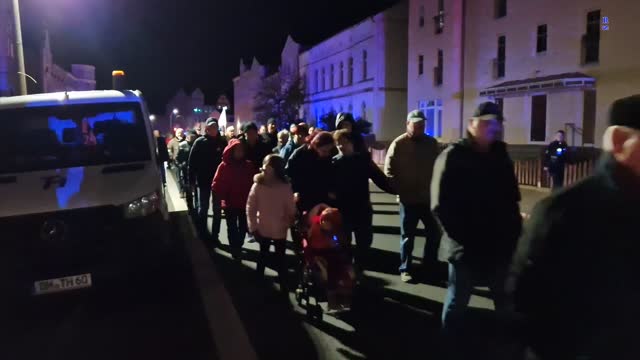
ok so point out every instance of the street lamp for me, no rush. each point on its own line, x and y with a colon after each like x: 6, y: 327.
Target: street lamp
x: 152, y: 117
x: 22, y: 79
x: 172, y: 118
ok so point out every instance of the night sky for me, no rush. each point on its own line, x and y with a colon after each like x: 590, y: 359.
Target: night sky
x: 164, y: 45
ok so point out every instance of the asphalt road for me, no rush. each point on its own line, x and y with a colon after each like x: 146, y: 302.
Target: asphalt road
x: 160, y: 318
x: 390, y: 319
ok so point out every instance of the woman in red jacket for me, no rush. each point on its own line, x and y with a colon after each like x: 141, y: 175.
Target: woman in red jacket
x: 232, y: 183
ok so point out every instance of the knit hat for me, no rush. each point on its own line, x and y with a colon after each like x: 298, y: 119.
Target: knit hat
x: 248, y: 126
x: 488, y: 111
x: 341, y: 117
x: 271, y: 121
x: 626, y: 112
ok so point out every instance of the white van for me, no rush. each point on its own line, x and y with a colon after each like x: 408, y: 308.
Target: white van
x: 81, y: 197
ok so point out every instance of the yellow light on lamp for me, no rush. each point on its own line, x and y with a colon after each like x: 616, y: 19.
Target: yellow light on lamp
x: 117, y: 73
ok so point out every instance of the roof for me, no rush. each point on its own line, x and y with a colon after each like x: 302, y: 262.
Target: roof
x: 574, y: 80
x: 574, y: 75
x: 71, y: 97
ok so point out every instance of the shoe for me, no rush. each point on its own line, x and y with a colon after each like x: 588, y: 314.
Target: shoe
x: 405, y: 277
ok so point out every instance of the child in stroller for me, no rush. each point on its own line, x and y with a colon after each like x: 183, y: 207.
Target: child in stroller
x: 325, y: 251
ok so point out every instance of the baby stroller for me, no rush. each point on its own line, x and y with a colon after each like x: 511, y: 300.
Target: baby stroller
x: 313, y: 275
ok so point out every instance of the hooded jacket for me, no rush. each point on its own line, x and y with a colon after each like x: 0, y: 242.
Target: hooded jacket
x: 204, y: 158
x: 270, y: 209
x: 577, y: 269
x: 310, y: 176
x: 233, y: 179
x: 475, y: 197
x: 409, y: 166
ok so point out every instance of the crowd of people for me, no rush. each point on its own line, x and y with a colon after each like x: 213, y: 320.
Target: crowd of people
x: 569, y: 274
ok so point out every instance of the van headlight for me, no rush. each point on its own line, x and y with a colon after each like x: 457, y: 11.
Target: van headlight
x: 143, y: 206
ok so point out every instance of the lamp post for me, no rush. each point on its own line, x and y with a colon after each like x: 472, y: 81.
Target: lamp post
x: 152, y: 117
x: 22, y: 79
x: 173, y: 115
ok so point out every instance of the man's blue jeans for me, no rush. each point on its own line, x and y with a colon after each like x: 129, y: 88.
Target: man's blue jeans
x: 410, y: 214
x: 461, y: 283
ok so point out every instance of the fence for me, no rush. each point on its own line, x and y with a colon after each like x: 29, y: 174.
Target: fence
x: 529, y: 172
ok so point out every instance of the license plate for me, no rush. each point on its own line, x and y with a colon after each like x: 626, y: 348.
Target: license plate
x: 62, y: 284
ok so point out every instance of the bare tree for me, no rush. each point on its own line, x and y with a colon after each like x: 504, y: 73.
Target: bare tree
x: 279, y: 97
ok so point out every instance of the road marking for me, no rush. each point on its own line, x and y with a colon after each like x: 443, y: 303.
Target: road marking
x: 226, y: 328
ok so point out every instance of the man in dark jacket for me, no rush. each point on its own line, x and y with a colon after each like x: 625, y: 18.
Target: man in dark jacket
x: 555, y: 157
x: 475, y: 195
x: 163, y: 154
x: 182, y: 160
x: 353, y: 171
x: 311, y: 172
x: 271, y: 136
x: 257, y: 149
x: 206, y: 155
x: 409, y: 166
x: 577, y: 262
x: 297, y: 137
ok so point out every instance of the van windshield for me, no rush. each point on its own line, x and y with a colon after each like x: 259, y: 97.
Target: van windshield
x: 57, y: 137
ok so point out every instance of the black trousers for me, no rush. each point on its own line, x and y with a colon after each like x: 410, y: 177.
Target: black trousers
x: 280, y: 246
x: 360, y: 224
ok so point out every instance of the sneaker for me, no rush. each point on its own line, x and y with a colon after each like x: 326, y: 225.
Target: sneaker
x: 405, y: 277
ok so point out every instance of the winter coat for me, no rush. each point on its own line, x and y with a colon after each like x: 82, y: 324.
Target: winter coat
x: 359, y: 145
x: 475, y: 197
x: 271, y: 140
x: 205, y: 156
x: 174, y: 147
x: 270, y: 209
x: 257, y: 152
x: 183, y: 152
x: 310, y: 176
x: 163, y: 152
x: 577, y: 269
x: 409, y: 165
x: 288, y: 150
x: 352, y: 182
x: 555, y: 156
x: 233, y: 179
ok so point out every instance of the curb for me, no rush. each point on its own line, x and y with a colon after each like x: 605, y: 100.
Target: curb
x: 226, y: 329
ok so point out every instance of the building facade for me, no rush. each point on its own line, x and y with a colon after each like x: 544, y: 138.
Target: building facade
x: 245, y: 88
x: 8, y: 62
x: 362, y: 70
x: 550, y: 65
x: 54, y: 78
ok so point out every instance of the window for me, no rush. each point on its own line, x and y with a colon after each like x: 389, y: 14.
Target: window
x: 317, y: 86
x: 438, y: 70
x: 324, y: 80
x: 73, y: 136
x: 364, y: 111
x: 421, y: 17
x: 538, y: 118
x: 420, y: 64
x: 364, y: 65
x: 501, y: 8
x: 433, y: 111
x: 438, y: 20
x: 341, y: 74
x: 350, y: 74
x: 591, y: 40
x: 331, y: 77
x: 541, y: 42
x: 502, y: 54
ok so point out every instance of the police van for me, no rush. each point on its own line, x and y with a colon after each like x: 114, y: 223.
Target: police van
x: 81, y: 197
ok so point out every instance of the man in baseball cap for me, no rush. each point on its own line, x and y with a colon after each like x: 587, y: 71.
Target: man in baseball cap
x: 475, y: 196
x: 582, y: 246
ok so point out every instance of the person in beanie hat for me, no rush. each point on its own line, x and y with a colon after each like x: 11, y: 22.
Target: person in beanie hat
x: 256, y: 149
x: 270, y: 137
x: 347, y: 122
x: 575, y: 269
x: 204, y: 158
x: 409, y: 166
x: 475, y: 195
